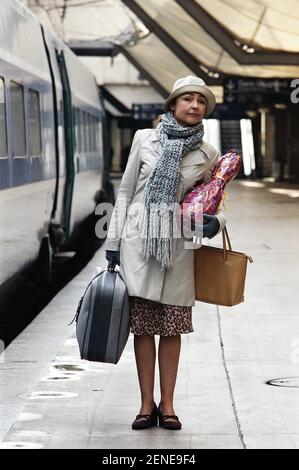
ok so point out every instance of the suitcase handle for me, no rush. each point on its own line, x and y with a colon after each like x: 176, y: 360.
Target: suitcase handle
x: 80, y: 301
x: 111, y: 268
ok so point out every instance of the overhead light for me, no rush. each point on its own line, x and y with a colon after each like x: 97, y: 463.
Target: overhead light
x: 210, y: 73
x: 213, y: 74
x: 269, y: 179
x: 280, y: 106
x: 264, y: 110
x: 250, y: 113
x: 245, y: 47
x: 249, y: 50
x: 202, y: 67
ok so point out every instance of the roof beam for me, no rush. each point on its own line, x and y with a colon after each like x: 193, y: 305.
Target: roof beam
x: 103, y: 48
x: 226, y: 39
x: 155, y: 84
x: 93, y: 48
x: 172, y: 44
x: 107, y: 95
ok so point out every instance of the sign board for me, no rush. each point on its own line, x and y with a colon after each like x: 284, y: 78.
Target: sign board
x: 256, y: 91
x: 147, y: 110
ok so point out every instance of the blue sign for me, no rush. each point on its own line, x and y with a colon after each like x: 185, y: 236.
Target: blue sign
x: 147, y: 110
x: 256, y: 91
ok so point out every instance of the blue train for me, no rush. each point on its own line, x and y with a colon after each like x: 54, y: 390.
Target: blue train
x: 52, y: 167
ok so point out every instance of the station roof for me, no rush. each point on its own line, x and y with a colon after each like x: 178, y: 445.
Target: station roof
x: 268, y: 24
x: 210, y: 46
x: 165, y: 39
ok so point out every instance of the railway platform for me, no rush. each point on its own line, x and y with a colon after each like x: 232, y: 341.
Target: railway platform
x: 238, y: 378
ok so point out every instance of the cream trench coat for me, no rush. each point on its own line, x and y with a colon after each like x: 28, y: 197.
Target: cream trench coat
x: 145, y: 278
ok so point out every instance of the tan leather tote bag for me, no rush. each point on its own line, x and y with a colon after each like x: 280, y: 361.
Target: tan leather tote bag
x: 220, y: 274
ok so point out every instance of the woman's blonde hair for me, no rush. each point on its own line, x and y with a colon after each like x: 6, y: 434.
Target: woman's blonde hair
x: 157, y: 120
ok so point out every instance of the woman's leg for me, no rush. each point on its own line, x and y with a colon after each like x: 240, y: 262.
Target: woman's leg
x: 145, y: 354
x: 169, y: 354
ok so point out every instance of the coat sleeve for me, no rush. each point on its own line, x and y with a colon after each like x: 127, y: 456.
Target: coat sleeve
x: 125, y: 195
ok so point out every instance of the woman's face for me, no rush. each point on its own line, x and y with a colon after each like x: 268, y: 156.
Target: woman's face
x: 189, y: 109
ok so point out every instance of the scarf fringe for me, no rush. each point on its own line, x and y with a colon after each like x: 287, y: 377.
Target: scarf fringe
x: 157, y: 235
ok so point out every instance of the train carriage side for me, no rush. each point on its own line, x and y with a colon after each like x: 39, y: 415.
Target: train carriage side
x: 27, y: 153
x: 80, y: 174
x: 88, y: 139
x: 51, y: 152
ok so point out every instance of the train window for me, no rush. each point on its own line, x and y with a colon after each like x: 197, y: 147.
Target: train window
x: 97, y: 134
x: 80, y: 132
x: 75, y: 117
x: 90, y: 117
x: 82, y: 127
x: 74, y: 129
x: 92, y: 133
x: 85, y: 122
x: 94, y: 130
x: 88, y: 131
x: 35, y: 141
x: 3, y: 128
x: 18, y: 120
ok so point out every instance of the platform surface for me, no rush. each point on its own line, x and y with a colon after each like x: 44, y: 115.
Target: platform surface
x: 49, y: 398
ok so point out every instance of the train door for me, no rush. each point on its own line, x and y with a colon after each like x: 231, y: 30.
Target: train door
x: 69, y: 138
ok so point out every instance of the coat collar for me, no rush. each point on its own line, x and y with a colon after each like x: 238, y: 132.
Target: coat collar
x: 205, y: 148
x: 154, y: 137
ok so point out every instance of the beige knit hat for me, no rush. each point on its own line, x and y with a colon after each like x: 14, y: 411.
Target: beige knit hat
x: 191, y: 84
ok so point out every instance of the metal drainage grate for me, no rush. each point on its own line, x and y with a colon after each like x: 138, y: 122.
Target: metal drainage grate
x: 291, y: 382
x: 21, y: 445
x: 68, y: 367
x: 35, y: 395
x: 51, y: 378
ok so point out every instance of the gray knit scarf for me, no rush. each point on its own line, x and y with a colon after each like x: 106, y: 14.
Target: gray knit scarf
x: 157, y: 215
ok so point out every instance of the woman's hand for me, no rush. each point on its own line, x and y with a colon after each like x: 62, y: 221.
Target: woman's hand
x: 113, y: 256
x: 209, y: 228
x: 210, y: 225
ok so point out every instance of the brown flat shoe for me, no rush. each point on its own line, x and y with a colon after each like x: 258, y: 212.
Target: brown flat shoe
x: 146, y: 421
x: 172, y: 425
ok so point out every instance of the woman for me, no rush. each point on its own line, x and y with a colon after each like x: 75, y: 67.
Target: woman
x: 158, y: 268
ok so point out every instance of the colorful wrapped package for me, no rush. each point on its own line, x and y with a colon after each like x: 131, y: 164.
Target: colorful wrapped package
x: 206, y: 197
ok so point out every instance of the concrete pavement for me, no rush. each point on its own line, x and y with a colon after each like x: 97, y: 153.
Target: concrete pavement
x: 51, y: 399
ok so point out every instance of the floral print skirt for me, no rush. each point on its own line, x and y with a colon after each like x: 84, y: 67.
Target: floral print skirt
x: 153, y: 318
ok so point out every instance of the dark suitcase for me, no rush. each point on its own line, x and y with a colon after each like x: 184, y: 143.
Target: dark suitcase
x: 102, y: 317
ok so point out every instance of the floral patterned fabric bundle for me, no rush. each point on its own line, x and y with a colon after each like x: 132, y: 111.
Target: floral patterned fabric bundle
x: 206, y: 197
